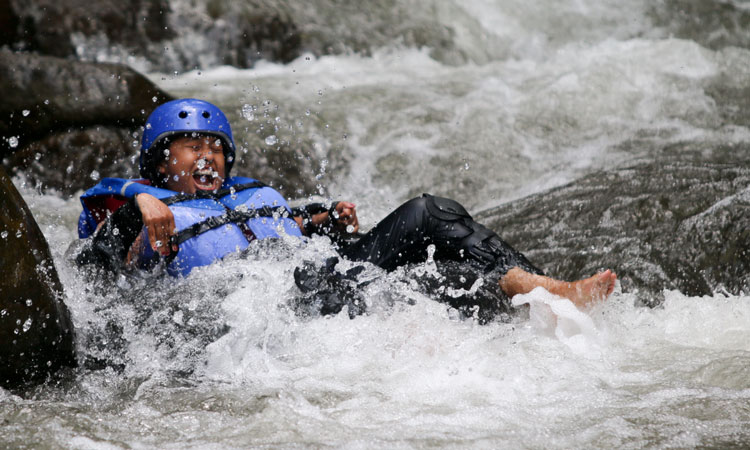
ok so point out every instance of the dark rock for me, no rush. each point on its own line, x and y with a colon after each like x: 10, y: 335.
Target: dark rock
x: 43, y: 94
x: 714, y: 25
x: 50, y: 27
x: 35, y: 326
x: 69, y: 161
x: 241, y: 38
x: 217, y: 33
x: 157, y: 36
x: 659, y: 225
x: 292, y: 167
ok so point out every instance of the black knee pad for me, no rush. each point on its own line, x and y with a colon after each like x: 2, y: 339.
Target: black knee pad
x: 445, y: 208
x: 468, y: 238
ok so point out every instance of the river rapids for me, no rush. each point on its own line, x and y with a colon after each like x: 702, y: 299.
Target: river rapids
x: 522, y: 97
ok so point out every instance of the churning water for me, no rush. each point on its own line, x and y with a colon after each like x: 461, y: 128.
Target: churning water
x: 527, y: 96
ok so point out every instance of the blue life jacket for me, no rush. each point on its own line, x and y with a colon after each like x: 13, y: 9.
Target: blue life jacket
x: 209, y: 226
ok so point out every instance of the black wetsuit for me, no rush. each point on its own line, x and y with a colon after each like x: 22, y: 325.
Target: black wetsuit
x: 464, y: 251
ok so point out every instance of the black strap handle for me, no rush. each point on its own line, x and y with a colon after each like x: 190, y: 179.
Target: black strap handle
x: 231, y: 216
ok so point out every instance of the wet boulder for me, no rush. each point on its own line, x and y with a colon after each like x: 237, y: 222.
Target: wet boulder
x: 152, y: 33
x: 55, y: 28
x: 714, y: 25
x: 62, y: 121
x: 42, y: 95
x: 658, y: 224
x: 35, y: 326
x: 74, y: 160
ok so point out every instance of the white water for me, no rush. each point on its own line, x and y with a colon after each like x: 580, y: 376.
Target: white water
x: 482, y: 134
x: 559, y: 92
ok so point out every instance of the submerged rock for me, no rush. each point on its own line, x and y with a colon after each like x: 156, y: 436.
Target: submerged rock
x: 659, y: 225
x: 36, y: 331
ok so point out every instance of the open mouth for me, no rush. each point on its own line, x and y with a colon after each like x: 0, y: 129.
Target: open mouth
x: 206, y: 180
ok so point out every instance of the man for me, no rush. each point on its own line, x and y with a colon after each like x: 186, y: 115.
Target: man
x: 189, y: 211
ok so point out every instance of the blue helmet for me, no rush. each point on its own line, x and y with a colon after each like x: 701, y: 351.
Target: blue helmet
x: 187, y: 115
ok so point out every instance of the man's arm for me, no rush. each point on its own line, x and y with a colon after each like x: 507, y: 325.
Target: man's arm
x: 111, y: 243
x: 342, y: 218
x: 159, y: 222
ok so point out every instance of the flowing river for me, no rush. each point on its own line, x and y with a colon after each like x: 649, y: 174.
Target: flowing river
x: 526, y: 96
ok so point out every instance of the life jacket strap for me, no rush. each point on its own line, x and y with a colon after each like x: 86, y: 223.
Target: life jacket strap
x: 238, y: 217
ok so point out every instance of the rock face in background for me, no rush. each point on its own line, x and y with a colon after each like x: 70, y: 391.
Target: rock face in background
x: 64, y: 119
x: 712, y: 24
x: 150, y: 33
x: 35, y: 327
x: 154, y: 35
x: 659, y: 225
x: 51, y: 27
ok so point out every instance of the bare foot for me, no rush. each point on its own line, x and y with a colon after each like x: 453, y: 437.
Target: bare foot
x: 581, y: 292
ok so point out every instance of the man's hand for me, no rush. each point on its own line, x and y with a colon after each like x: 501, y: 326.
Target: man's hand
x: 346, y: 222
x: 159, y: 222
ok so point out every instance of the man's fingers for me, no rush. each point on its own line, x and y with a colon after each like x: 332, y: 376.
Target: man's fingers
x: 159, y: 234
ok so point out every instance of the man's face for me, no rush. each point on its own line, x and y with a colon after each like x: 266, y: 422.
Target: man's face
x: 195, y: 163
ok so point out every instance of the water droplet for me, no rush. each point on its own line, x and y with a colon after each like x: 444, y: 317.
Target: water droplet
x: 466, y: 166
x: 116, y: 231
x: 148, y: 126
x: 201, y: 164
x: 4, y: 235
x: 18, y: 233
x: 13, y: 141
x: 154, y: 99
x: 46, y: 102
x: 166, y: 152
x: 25, y: 112
x: 28, y: 302
x: 27, y: 325
x: 69, y: 169
x: 350, y: 229
x: 247, y: 112
x: 94, y: 175
x: 307, y: 113
x: 158, y: 244
x: 271, y: 140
